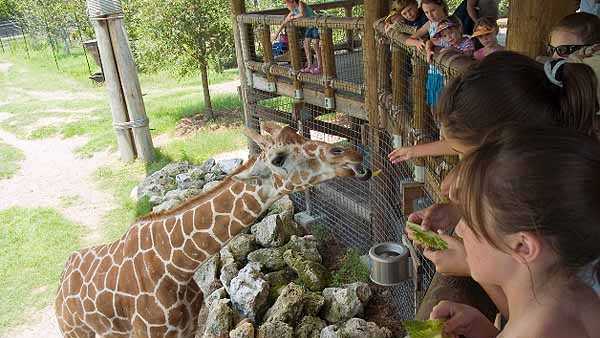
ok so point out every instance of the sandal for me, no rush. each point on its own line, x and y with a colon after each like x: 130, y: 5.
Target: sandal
x: 315, y: 70
x: 306, y: 69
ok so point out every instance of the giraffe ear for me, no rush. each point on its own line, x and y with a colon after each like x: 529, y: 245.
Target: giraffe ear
x: 259, y: 170
x: 271, y: 128
x: 263, y: 141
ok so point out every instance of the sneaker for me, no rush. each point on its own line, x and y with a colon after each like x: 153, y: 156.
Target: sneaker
x: 315, y: 70
x: 306, y: 69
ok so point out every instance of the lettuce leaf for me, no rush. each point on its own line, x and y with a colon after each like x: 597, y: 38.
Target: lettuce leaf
x: 427, y: 238
x: 424, y: 328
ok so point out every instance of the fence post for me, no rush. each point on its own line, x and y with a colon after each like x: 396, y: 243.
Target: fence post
x: 113, y: 85
x: 349, y: 32
x: 328, y: 57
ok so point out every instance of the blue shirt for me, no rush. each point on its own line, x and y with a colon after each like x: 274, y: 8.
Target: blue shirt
x: 590, y: 6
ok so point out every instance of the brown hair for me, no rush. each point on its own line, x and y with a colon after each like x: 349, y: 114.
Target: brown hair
x: 542, y: 180
x: 586, y: 26
x: 508, y: 87
x: 487, y: 21
x: 436, y: 2
x: 402, y: 4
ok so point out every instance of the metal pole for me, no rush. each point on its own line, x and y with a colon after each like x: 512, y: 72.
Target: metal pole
x: 25, y: 40
x: 87, y: 61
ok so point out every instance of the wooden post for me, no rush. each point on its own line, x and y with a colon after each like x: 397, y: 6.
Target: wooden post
x: 399, y: 88
x: 383, y: 64
x: 265, y: 38
x: 113, y: 85
x: 328, y: 57
x: 131, y: 89
x: 419, y: 109
x: 295, y: 59
x: 239, y: 7
x: 349, y: 32
x: 530, y: 23
x: 373, y: 11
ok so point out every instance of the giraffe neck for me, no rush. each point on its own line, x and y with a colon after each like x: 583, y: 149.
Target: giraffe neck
x: 197, y: 230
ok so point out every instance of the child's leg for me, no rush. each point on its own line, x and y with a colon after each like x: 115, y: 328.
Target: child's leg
x: 309, y: 59
x: 318, y: 49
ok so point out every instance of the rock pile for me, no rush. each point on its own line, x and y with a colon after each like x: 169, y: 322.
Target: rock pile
x: 179, y: 181
x: 270, y: 283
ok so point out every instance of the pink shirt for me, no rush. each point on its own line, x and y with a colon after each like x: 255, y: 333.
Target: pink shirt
x: 483, y: 52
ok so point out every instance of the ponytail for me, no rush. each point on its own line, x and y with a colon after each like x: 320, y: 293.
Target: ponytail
x: 578, y: 101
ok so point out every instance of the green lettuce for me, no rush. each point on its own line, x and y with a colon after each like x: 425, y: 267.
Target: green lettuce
x: 424, y: 328
x: 427, y: 238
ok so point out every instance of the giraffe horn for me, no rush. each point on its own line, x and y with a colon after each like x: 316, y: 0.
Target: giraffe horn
x: 263, y: 141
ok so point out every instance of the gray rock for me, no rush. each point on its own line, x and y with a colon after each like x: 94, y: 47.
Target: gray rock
x: 312, y: 274
x: 273, y: 231
x: 271, y: 259
x: 227, y: 166
x: 249, y: 291
x: 244, y: 329
x: 208, y: 273
x: 189, y: 193
x: 197, y: 173
x: 210, y: 177
x: 288, y: 306
x: 228, y: 272
x: 172, y: 195
x: 215, y: 296
x: 239, y: 247
x: 306, y: 246
x: 133, y: 194
x: 344, y: 303
x: 280, y: 278
x: 275, y: 330
x: 355, y: 328
x: 210, y: 185
x: 184, y: 181
x: 207, y: 165
x: 166, y: 205
x: 312, y: 303
x: 309, y: 327
x: 155, y: 199
x: 175, y: 168
x: 284, y: 207
x: 219, y: 321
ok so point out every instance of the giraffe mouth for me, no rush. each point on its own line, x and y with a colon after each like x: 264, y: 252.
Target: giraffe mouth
x: 361, y: 172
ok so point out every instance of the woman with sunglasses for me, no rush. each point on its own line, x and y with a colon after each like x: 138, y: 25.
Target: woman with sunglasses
x: 573, y: 33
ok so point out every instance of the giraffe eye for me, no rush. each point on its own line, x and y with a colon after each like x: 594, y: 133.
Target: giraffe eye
x: 279, y: 160
x: 336, y: 151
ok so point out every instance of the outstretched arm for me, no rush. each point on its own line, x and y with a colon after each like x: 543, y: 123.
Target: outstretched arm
x: 437, y: 148
x: 416, y: 40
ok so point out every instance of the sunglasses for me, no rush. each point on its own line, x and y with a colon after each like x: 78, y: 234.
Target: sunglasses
x: 563, y: 50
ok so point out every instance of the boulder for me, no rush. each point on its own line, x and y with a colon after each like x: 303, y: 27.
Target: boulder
x: 238, y: 248
x: 312, y: 303
x: 356, y: 328
x: 309, y: 327
x: 228, y: 272
x: 312, y: 274
x: 249, y: 291
x: 277, y: 281
x: 220, y: 320
x: 244, y: 329
x: 207, y: 275
x: 306, y: 246
x: 175, y: 168
x: 275, y: 330
x: 228, y: 166
x: 271, y: 259
x: 274, y: 231
x: 346, y: 302
x: 207, y: 165
x: 284, y: 207
x: 173, y: 195
x: 184, y: 181
x: 166, y: 205
x: 212, y: 299
x: 210, y: 185
x: 288, y: 306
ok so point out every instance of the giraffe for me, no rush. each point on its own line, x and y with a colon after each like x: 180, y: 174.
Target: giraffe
x: 142, y: 285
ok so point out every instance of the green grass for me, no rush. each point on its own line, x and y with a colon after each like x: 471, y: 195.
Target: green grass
x: 34, y: 245
x: 9, y: 160
x: 352, y: 269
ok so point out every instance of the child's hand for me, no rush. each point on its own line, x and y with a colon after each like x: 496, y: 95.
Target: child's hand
x: 420, y: 45
x: 441, y: 216
x: 401, y: 154
x: 463, y: 320
x: 452, y: 261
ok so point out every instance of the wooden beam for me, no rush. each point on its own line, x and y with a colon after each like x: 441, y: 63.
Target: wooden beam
x: 333, y: 129
x: 316, y: 7
x: 530, y: 23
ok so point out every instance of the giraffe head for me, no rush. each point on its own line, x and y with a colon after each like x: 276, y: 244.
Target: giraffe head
x: 294, y: 163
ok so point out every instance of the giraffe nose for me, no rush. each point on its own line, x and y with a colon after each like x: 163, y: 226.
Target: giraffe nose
x: 362, y: 173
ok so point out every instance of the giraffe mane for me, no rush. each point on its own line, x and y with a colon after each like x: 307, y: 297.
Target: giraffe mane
x: 153, y: 216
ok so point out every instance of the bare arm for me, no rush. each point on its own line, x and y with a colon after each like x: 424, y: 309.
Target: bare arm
x: 415, y: 40
x: 437, y: 148
x: 285, y: 21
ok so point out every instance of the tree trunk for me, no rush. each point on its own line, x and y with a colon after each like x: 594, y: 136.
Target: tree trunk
x: 66, y: 41
x: 207, y: 102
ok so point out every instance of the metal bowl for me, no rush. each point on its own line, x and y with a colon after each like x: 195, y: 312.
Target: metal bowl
x: 389, y: 263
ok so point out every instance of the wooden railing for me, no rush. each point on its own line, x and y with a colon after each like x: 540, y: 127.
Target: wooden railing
x: 325, y: 89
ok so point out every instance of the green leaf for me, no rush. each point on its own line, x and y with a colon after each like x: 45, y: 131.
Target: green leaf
x: 427, y: 238
x: 424, y: 328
